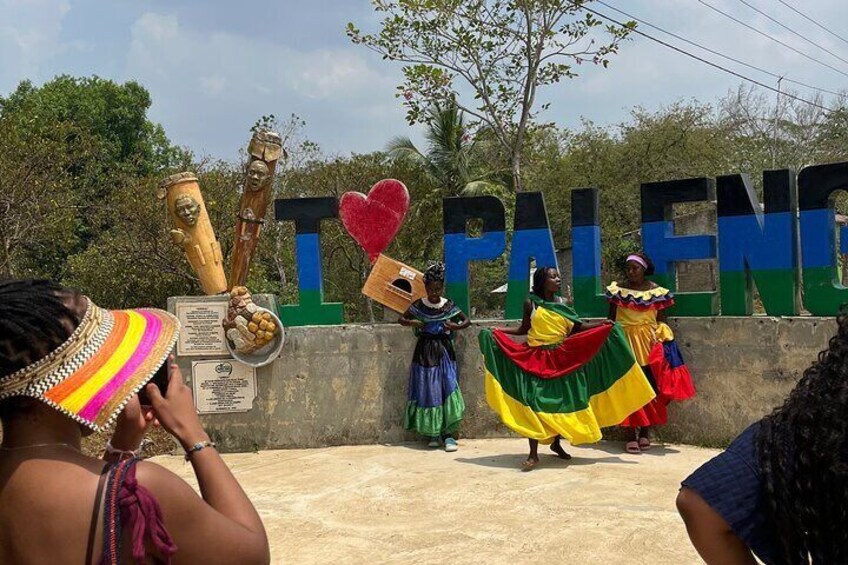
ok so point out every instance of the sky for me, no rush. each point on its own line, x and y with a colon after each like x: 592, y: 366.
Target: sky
x: 214, y: 67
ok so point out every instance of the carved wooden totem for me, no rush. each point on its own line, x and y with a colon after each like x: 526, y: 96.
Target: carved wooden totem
x: 264, y: 150
x: 193, y: 230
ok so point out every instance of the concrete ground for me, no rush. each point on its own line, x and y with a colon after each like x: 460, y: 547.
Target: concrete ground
x: 409, y: 504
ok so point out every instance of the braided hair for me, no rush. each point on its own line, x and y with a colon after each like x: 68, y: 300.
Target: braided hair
x: 34, y: 320
x: 803, y: 460
x: 435, y: 273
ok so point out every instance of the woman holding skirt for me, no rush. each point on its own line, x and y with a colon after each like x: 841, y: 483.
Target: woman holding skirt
x: 568, y: 381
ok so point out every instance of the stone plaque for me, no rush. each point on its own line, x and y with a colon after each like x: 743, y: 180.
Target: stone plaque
x: 202, y: 332
x: 223, y: 386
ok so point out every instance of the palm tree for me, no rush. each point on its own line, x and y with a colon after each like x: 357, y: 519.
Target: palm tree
x: 450, y: 160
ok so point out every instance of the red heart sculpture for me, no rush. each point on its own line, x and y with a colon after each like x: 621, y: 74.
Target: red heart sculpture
x: 374, y: 220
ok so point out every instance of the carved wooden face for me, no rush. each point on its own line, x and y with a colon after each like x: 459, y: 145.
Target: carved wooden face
x: 257, y: 175
x: 187, y: 209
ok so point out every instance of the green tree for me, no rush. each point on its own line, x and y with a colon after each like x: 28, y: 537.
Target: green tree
x: 502, y: 50
x: 115, y: 115
x: 38, y: 205
x: 451, y: 161
x: 100, y: 142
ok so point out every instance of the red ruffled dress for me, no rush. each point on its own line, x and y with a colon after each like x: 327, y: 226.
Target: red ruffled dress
x: 654, y: 348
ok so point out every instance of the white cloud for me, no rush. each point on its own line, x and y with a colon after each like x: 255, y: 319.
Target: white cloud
x: 202, y: 82
x: 30, y: 38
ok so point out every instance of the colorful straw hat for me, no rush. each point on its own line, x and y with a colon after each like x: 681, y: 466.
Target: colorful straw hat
x: 107, y: 359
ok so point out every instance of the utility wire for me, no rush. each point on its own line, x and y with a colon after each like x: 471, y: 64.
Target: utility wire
x: 710, y: 63
x: 809, y: 19
x: 740, y: 22
x: 792, y: 31
x: 714, y: 52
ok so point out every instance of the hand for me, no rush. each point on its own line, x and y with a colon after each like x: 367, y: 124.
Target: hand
x: 609, y: 323
x: 131, y: 425
x: 175, y: 411
x: 451, y: 327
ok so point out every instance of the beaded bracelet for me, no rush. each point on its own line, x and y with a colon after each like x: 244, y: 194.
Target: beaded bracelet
x: 197, y: 447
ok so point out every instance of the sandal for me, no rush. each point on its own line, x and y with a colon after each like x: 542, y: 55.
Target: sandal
x: 644, y: 443
x: 529, y: 464
x: 632, y: 447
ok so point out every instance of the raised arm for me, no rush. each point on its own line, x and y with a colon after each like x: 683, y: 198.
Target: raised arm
x: 222, y: 526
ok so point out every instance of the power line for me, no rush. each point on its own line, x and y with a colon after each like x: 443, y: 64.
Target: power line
x: 792, y: 31
x: 714, y: 52
x: 809, y: 19
x: 740, y: 22
x: 710, y: 63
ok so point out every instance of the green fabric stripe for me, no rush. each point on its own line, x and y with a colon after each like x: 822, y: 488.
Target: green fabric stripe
x: 438, y: 420
x: 566, y: 394
x: 560, y: 308
x: 450, y: 314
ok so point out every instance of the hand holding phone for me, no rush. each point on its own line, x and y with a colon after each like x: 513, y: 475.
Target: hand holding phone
x: 160, y: 379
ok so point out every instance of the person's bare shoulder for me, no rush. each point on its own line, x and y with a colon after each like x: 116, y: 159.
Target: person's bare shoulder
x: 165, y: 485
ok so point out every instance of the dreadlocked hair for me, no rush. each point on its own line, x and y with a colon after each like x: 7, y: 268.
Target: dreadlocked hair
x: 435, y: 273
x: 539, y: 278
x: 804, y: 463
x: 34, y: 320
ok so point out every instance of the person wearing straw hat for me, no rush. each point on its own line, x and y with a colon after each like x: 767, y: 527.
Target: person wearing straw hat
x: 69, y: 368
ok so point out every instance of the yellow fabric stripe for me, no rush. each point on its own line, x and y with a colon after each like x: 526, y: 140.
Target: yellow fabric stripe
x: 627, y: 395
x: 135, y: 330
x: 608, y: 408
x: 547, y: 328
x: 641, y: 340
x: 614, y: 289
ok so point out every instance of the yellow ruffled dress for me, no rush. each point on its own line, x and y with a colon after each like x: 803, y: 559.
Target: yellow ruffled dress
x: 654, y: 347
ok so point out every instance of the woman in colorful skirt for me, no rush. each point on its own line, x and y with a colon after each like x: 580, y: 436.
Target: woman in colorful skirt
x: 638, y: 306
x: 435, y: 405
x: 568, y: 381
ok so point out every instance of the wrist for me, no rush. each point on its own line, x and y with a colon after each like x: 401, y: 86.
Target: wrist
x: 125, y: 441
x: 198, y: 447
x: 189, y: 438
x: 121, y: 452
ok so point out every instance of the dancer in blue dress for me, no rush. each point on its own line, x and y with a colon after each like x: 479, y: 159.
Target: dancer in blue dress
x: 435, y: 405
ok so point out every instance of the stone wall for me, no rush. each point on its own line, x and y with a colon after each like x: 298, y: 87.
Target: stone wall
x: 347, y: 384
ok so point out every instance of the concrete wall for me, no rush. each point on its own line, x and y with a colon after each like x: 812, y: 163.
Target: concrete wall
x: 347, y: 384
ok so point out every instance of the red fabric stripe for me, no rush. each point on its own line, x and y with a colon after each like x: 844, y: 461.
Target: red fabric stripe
x: 659, y: 305
x: 672, y: 383
x: 653, y: 413
x: 552, y: 363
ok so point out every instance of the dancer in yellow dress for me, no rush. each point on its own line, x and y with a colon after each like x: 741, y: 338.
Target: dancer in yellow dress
x: 568, y: 381
x: 638, y: 306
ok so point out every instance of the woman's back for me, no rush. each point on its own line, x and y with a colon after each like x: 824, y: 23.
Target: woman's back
x: 47, y: 495
x: 68, y: 368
